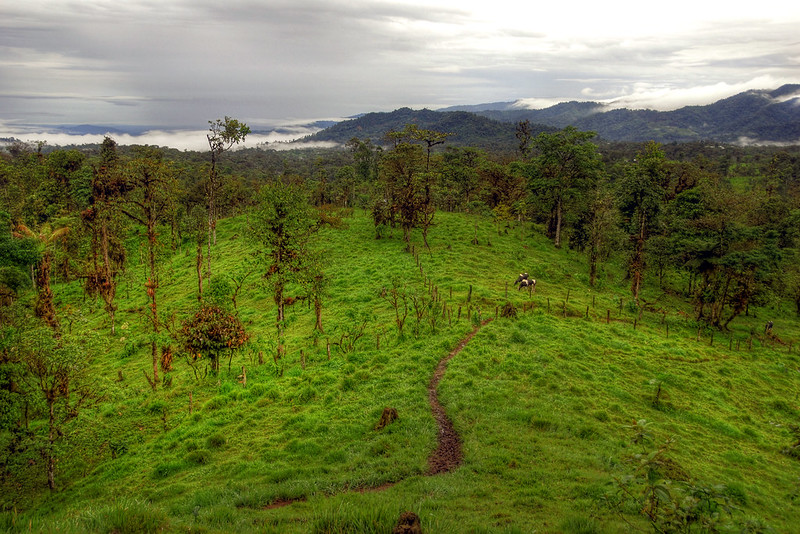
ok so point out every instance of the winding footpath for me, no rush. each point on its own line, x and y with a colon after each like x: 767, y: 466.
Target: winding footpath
x: 447, y: 455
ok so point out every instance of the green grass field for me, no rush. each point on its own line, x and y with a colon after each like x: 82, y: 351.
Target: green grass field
x: 544, y: 402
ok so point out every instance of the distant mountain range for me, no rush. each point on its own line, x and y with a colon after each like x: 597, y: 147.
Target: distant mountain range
x: 757, y: 116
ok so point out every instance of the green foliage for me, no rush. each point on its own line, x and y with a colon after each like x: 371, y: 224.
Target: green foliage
x: 537, y: 401
x: 212, y: 331
x: 223, y: 134
x: 282, y: 226
x: 662, y: 492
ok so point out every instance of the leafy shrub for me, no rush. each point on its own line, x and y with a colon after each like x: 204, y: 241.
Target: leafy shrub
x: 211, y: 331
x: 660, y: 490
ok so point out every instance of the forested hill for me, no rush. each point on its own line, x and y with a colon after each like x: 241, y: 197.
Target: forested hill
x: 467, y: 129
x: 751, y: 116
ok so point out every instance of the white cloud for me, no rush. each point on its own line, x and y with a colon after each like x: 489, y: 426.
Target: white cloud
x: 179, y: 139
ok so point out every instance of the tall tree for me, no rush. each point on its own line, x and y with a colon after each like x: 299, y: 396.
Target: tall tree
x: 150, y: 200
x: 602, y: 230
x: 460, y: 176
x: 566, y: 165
x: 366, y: 158
x: 222, y: 136
x: 401, y: 173
x: 283, y: 224
x: 641, y: 193
x: 57, y: 370
x: 107, y: 252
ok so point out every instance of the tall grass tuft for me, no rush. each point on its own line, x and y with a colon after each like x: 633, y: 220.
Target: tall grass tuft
x: 125, y: 516
x: 349, y: 519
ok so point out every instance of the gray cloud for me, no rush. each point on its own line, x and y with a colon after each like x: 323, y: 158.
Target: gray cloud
x: 182, y: 62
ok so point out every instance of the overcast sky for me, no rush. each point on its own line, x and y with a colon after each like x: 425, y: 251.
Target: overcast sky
x: 180, y: 63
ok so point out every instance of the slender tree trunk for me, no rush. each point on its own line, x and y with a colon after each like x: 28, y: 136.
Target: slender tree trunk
x: 212, y: 226
x: 199, y: 265
x: 318, y: 313
x: 279, y: 301
x: 51, y: 459
x: 152, y: 286
x: 44, y: 307
x: 637, y: 265
x: 109, y: 284
x: 593, y: 266
x: 557, y: 238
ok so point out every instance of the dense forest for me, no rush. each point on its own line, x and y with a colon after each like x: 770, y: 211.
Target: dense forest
x: 95, y: 237
x: 717, y: 224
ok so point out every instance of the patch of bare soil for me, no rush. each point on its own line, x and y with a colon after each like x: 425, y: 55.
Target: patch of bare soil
x: 447, y: 455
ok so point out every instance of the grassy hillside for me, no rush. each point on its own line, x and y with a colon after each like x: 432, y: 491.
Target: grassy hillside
x: 545, y: 403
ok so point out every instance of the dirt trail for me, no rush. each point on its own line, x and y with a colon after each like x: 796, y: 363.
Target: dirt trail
x: 447, y: 455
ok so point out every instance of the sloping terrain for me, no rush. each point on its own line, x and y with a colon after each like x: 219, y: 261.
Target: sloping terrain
x: 548, y: 405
